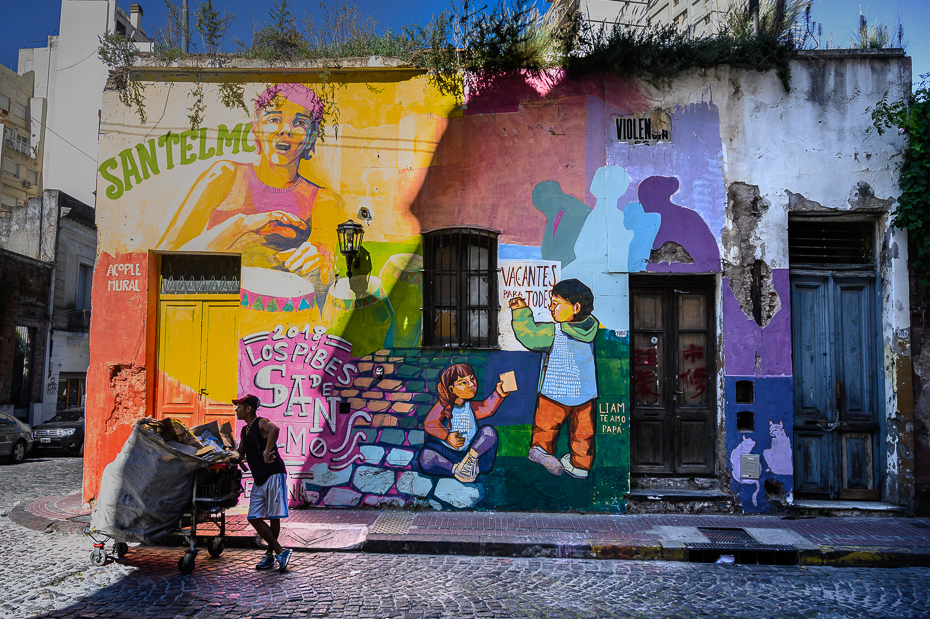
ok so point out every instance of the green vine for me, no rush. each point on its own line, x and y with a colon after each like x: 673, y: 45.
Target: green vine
x: 468, y: 47
x: 910, y: 117
x: 119, y: 53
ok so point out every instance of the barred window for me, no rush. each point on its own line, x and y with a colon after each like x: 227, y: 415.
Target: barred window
x: 460, y: 288
x: 199, y: 274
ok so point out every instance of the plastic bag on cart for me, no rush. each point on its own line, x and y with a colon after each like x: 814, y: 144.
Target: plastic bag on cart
x: 144, y: 492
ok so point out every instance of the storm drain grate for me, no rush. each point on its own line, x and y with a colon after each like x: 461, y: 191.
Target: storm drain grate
x: 741, y: 546
x: 393, y: 523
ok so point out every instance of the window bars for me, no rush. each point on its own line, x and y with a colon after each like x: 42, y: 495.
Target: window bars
x: 199, y: 274
x: 460, y: 288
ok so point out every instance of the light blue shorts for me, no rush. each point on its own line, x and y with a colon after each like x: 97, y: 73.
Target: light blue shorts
x: 270, y: 499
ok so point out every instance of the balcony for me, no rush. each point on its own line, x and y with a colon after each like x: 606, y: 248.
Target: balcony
x: 21, y: 147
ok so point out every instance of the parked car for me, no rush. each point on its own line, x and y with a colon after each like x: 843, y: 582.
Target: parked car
x: 65, y: 430
x: 15, y: 438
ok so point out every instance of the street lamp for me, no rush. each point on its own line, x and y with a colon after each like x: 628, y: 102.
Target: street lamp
x: 350, y: 242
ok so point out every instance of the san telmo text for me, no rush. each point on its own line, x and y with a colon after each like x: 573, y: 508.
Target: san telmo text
x: 147, y: 159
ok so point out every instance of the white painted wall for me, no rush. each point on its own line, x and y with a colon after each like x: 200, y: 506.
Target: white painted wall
x: 71, y: 76
x: 814, y: 141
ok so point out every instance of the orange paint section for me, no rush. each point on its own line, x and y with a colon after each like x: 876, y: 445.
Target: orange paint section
x: 117, y: 380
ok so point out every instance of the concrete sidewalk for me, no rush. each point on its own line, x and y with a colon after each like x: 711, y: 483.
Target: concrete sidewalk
x: 840, y: 542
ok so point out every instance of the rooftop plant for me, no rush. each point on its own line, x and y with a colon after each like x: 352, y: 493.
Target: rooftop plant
x: 470, y: 43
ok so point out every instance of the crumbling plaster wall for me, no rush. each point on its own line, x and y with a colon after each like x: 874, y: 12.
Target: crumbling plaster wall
x: 808, y: 149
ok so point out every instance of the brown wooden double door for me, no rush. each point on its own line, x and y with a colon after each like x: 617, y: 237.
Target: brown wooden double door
x: 673, y: 369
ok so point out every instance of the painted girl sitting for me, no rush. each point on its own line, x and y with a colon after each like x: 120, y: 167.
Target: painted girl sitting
x: 455, y: 445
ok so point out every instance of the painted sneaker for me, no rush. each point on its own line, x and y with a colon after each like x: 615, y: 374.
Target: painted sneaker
x: 571, y: 469
x: 283, y: 559
x: 551, y: 463
x: 266, y: 563
x: 466, y: 471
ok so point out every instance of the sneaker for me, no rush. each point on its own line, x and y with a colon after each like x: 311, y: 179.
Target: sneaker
x: 571, y: 469
x: 283, y: 559
x: 466, y: 471
x: 540, y: 456
x: 266, y: 563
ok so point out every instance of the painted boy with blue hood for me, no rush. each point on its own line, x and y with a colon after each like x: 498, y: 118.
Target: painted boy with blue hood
x: 568, y: 389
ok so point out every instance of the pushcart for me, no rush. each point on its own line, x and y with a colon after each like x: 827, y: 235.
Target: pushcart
x: 215, y: 489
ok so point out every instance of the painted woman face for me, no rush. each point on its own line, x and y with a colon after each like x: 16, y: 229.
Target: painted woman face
x: 465, y: 387
x: 284, y: 130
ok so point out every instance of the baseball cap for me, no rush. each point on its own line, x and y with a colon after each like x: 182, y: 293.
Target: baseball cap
x: 248, y: 400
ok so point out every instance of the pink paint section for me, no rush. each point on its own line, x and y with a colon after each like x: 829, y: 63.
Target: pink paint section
x: 297, y: 375
x: 745, y: 340
x: 555, y: 225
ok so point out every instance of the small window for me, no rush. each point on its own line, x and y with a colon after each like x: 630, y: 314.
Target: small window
x: 20, y: 111
x: 85, y: 279
x: 745, y: 392
x: 199, y: 274
x: 70, y: 390
x: 745, y: 422
x: 830, y: 241
x: 5, y: 103
x: 460, y: 288
x: 33, y: 177
x: 11, y: 168
x: 21, y: 392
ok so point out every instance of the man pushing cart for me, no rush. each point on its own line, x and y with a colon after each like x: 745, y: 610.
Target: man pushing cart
x: 258, y: 446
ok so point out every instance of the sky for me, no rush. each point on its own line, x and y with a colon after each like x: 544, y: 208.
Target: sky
x: 27, y: 23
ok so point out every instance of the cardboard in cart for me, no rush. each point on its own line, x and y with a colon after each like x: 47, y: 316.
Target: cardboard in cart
x: 174, y: 430
x: 226, y: 435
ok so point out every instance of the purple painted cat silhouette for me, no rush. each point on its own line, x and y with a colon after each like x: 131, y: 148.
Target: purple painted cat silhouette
x: 736, y: 466
x: 778, y: 460
x: 679, y: 225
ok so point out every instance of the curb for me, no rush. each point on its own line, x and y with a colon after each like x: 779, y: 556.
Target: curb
x: 395, y: 544
x: 865, y: 556
x: 813, y: 556
x: 22, y: 516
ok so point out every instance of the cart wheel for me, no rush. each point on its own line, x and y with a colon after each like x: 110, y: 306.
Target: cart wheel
x: 98, y: 556
x: 120, y: 550
x: 186, y: 563
x: 215, y: 547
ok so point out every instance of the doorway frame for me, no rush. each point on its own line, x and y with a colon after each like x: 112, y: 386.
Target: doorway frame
x: 879, y: 446
x: 697, y: 283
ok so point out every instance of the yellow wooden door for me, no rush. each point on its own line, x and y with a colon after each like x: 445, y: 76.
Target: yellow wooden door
x: 197, y: 359
x: 219, y: 352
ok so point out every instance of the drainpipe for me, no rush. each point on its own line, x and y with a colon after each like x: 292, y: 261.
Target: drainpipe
x: 51, y: 304
x: 185, y: 18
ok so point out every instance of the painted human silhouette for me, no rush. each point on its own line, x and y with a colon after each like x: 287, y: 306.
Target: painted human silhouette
x: 565, y: 217
x: 679, y: 225
x: 603, y: 231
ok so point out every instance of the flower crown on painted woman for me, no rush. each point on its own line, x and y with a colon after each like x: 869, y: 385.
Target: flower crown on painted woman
x: 297, y: 94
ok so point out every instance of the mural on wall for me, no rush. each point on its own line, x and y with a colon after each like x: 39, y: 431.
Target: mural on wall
x: 455, y: 445
x: 367, y: 416
x: 568, y: 388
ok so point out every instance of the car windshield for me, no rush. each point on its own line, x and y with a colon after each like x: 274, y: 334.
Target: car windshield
x: 67, y: 416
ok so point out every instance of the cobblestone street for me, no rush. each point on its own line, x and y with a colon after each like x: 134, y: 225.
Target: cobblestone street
x: 37, y: 477
x: 49, y: 575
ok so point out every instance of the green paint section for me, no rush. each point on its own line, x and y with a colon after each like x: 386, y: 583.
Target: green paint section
x: 133, y: 166
x: 513, y: 440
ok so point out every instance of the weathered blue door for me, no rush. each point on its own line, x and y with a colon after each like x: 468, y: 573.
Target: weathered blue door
x: 835, y: 366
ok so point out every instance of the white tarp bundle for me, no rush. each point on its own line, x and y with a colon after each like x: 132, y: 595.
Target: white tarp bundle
x: 144, y: 492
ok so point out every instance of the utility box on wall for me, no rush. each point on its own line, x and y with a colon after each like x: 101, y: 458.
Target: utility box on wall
x: 750, y: 468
